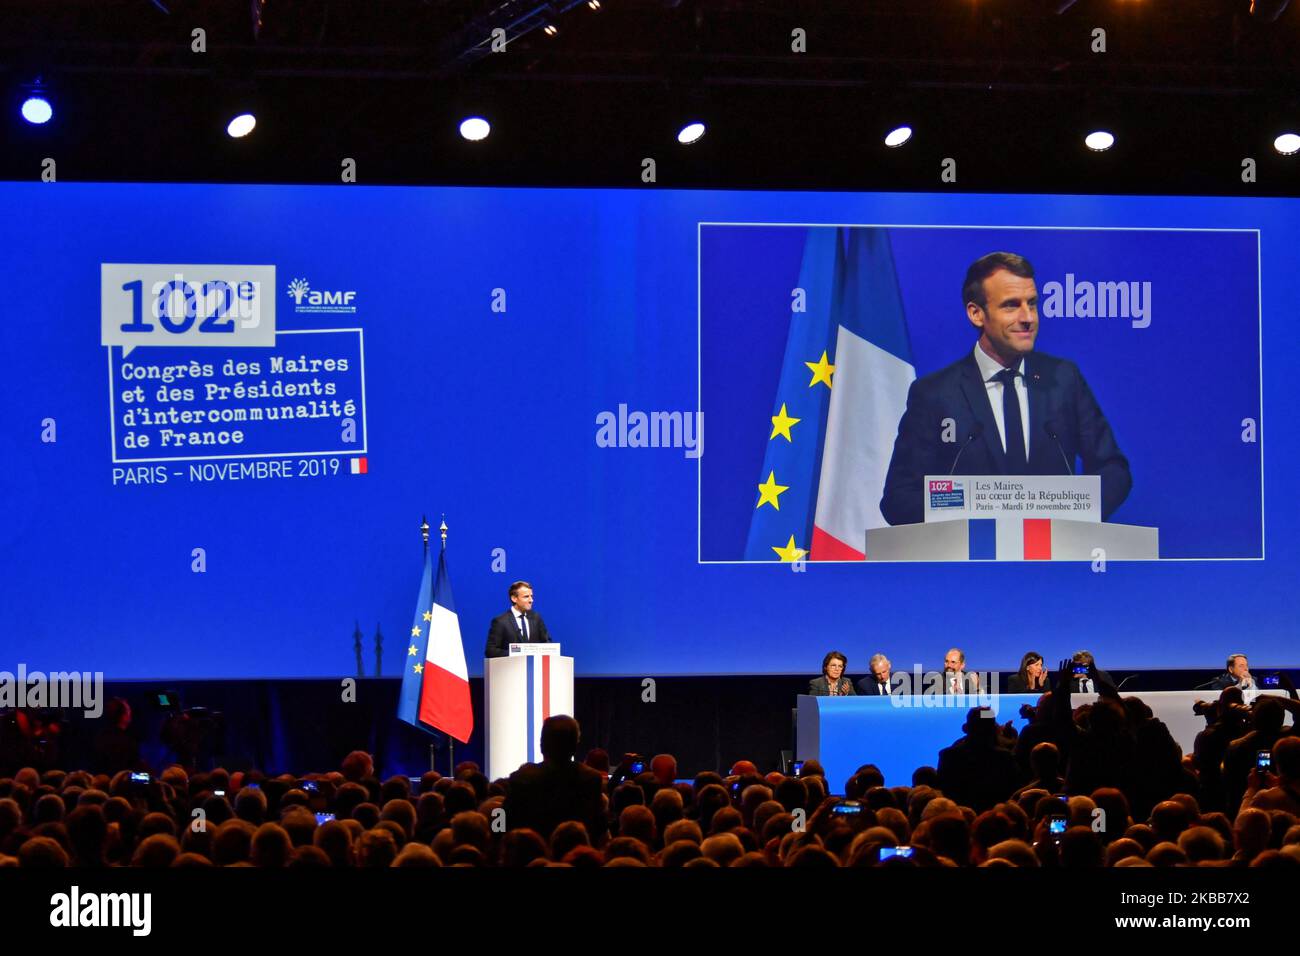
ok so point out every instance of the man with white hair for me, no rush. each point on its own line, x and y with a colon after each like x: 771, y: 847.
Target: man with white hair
x: 876, y: 684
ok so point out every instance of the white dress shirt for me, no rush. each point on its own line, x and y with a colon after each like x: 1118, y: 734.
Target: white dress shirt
x: 989, y: 369
x: 521, y: 623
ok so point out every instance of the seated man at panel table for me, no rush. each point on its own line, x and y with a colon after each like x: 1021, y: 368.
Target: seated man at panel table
x: 876, y: 684
x: 956, y: 680
x: 1086, y: 674
x: 1237, y: 675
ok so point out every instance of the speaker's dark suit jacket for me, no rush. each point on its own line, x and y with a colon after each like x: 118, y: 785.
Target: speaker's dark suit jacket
x: 1057, y: 395
x: 502, y: 632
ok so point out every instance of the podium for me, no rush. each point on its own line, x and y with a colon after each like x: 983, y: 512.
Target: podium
x: 521, y: 691
x: 1012, y: 539
x: 1012, y: 518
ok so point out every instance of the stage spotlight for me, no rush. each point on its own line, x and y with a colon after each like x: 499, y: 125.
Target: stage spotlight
x: 475, y: 128
x: 898, y: 136
x: 37, y: 110
x: 594, y: 4
x: 550, y: 29
x: 1099, y: 140
x: 1288, y: 144
x: 241, y: 125
x: 690, y: 133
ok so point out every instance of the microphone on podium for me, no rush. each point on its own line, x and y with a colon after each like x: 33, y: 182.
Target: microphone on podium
x: 974, y: 434
x: 1050, y: 428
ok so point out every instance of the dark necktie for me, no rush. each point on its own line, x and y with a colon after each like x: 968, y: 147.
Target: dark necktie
x: 523, y: 629
x: 1014, y: 427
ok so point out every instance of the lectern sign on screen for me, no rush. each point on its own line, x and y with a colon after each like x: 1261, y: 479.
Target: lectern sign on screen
x: 950, y: 497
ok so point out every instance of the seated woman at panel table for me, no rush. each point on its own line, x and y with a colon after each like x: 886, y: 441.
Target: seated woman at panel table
x: 832, y: 683
x: 1031, y: 678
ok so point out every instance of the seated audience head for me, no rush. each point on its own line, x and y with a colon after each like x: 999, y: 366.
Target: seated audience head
x: 1166, y: 854
x: 357, y: 766
x: 638, y: 822
x: 421, y: 856
x: 664, y: 768
x: 567, y: 836
x: 376, y: 850
x: 271, y: 848
x: 1122, y: 849
x: 1286, y: 761
x: 250, y: 805
x: 560, y: 736
x: 1201, y: 843
x: 925, y: 777
x: 683, y: 830
x: 1268, y: 715
x: 722, y: 848
x: 1169, y: 818
x: 598, y: 759
x: 680, y: 853
x: 1017, y: 852
x: 1045, y: 761
x: 520, y: 847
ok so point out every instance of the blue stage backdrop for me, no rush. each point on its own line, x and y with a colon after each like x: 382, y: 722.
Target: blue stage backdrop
x: 227, y: 407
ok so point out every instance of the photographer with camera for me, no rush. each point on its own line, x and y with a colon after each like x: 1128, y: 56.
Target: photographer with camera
x: 1085, y: 675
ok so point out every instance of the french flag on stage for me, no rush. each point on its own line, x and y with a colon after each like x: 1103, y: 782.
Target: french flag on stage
x: 843, y: 388
x: 435, y: 680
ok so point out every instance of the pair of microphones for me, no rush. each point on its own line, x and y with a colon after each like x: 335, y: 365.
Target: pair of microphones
x: 1049, y: 428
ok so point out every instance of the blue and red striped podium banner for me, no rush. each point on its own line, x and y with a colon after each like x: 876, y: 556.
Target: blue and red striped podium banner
x: 1013, y: 539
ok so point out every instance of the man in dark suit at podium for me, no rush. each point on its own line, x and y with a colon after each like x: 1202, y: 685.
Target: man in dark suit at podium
x: 1003, y: 409
x: 519, y: 625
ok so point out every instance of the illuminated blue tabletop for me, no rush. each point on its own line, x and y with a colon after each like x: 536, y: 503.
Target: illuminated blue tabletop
x: 897, y: 734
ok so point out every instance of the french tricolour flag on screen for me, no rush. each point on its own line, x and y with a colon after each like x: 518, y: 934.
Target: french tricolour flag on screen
x: 842, y: 390
x: 873, y: 371
x: 435, y: 680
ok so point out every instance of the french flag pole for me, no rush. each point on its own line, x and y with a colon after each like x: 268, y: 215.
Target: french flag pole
x: 435, y: 681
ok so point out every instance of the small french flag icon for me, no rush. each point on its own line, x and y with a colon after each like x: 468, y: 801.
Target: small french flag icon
x: 359, y: 466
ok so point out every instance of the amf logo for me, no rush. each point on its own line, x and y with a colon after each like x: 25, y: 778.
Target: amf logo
x: 307, y: 299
